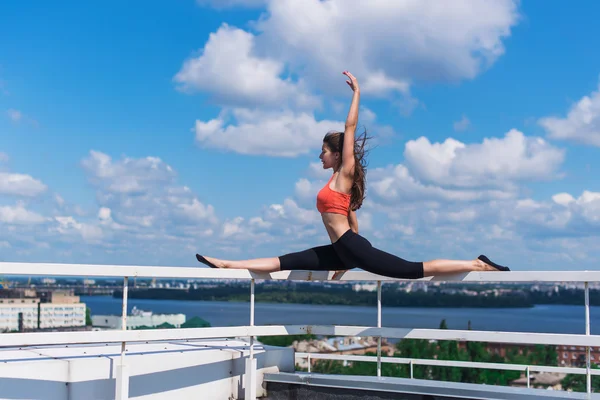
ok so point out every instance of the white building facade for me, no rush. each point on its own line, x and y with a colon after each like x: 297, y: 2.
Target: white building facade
x: 39, y: 315
x: 56, y: 315
x: 137, y: 319
x: 9, y: 314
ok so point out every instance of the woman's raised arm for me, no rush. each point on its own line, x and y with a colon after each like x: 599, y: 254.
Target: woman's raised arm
x: 351, y: 122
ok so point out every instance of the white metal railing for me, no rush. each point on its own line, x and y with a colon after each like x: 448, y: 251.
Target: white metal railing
x: 527, y: 369
x: 251, y: 331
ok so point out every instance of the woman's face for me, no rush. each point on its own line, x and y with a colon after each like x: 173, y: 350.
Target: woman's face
x: 328, y: 158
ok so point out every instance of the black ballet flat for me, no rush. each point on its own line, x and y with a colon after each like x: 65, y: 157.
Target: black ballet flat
x: 205, y: 261
x: 493, y: 264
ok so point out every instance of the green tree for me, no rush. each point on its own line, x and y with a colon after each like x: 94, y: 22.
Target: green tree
x: 164, y: 325
x: 578, y: 383
x: 195, y: 322
x: 283, y: 341
x: 415, y: 348
x: 88, y: 316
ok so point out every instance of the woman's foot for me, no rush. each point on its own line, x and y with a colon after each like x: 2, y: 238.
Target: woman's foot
x: 211, y: 262
x: 489, y: 265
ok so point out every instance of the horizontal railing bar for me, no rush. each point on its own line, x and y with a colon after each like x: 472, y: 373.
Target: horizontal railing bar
x: 88, y: 337
x: 459, y: 335
x: 150, y: 335
x: 120, y: 271
x: 448, y: 363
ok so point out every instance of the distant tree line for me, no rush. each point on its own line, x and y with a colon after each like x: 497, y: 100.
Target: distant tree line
x: 343, y: 295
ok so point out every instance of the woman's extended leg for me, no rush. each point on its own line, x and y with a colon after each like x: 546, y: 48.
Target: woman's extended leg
x: 445, y: 267
x: 270, y: 264
x: 321, y: 258
x: 358, y: 251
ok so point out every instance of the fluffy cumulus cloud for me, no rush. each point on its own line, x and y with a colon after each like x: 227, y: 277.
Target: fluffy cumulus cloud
x: 284, y: 134
x: 19, y: 215
x: 230, y: 70
x: 142, y: 193
x: 20, y: 185
x: 127, y: 176
x: 494, y: 162
x: 270, y: 81
x: 388, y: 44
x: 582, y: 123
x: 142, y: 215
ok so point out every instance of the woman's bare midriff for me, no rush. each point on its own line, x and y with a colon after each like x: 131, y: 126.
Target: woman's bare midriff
x: 335, y: 224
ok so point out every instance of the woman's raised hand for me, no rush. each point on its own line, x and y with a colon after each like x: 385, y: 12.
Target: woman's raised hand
x: 353, y: 83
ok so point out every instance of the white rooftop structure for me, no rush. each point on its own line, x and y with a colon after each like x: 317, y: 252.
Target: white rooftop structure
x: 197, y: 369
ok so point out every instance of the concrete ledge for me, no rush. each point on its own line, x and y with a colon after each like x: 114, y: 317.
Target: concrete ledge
x: 382, y: 388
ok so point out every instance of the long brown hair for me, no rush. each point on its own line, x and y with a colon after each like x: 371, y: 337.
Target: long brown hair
x: 335, y: 141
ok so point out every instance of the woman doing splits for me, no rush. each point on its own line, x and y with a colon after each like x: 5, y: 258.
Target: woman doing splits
x: 337, y: 202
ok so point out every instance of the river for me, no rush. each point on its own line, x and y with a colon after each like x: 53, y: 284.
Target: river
x: 543, y: 318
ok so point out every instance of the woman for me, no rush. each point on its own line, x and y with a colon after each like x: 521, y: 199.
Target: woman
x: 337, y: 202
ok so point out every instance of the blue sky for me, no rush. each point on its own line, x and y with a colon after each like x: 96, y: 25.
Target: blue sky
x: 142, y: 133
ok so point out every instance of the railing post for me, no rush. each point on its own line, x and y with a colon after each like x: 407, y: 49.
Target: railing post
x: 308, y: 363
x: 250, y: 392
x: 379, y: 326
x: 411, y: 369
x: 587, y: 332
x: 122, y: 374
x: 528, y: 377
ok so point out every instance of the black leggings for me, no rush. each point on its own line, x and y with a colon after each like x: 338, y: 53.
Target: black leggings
x: 352, y: 251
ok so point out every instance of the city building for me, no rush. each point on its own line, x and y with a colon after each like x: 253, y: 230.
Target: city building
x: 574, y: 356
x: 138, y: 318
x: 12, y: 310
x: 30, y: 310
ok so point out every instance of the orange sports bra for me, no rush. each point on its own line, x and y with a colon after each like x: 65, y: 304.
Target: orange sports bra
x: 331, y: 201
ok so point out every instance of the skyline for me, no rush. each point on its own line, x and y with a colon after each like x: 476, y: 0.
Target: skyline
x: 144, y: 133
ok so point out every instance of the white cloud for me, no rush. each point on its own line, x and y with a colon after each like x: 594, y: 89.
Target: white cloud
x: 104, y: 214
x: 587, y: 205
x: 291, y: 212
x: 386, y: 44
x: 140, y: 200
x: 395, y: 184
x: 19, y: 215
x: 70, y: 226
x: 197, y: 211
x: 582, y: 123
x: 14, y: 115
x: 59, y: 200
x: 365, y: 221
x: 279, y: 134
x: 128, y: 175
x: 20, y: 185
x: 284, y: 134
x: 495, y: 162
x: 306, y: 189
x: 316, y: 170
x: 566, y: 216
x: 462, y: 125
x: 230, y: 70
